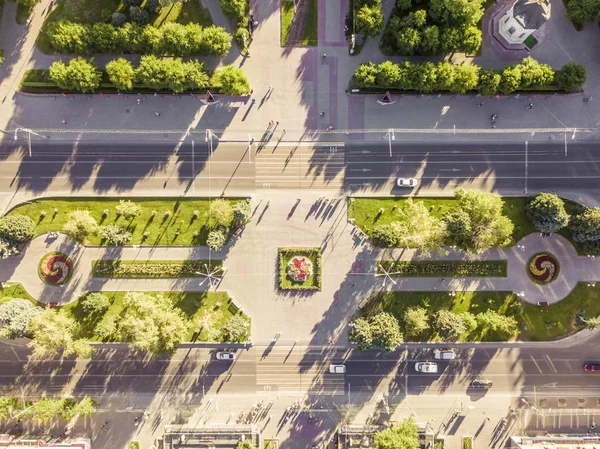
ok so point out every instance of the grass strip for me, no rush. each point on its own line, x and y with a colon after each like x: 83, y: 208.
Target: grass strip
x: 167, y: 221
x: 312, y: 254
x: 149, y: 269
x: 310, y: 36
x: 444, y: 268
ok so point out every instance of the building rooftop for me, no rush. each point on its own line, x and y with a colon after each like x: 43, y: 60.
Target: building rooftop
x: 531, y: 14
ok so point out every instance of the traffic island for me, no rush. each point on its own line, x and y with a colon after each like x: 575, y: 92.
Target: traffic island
x: 55, y: 268
x: 543, y: 268
x: 299, y: 268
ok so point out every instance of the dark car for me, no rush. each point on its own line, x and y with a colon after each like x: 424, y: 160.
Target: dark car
x: 591, y: 366
x: 481, y: 383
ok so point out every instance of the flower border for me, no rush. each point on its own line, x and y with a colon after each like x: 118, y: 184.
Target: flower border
x: 69, y: 262
x: 531, y: 263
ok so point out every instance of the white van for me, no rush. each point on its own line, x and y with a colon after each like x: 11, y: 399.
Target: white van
x: 444, y: 354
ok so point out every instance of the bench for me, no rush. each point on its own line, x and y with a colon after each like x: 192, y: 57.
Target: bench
x: 543, y: 303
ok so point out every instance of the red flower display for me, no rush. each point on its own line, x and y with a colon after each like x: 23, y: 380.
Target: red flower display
x: 299, y: 268
x: 55, y: 268
x: 543, y: 267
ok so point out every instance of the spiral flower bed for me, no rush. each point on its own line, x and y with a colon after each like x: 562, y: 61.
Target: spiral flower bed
x: 299, y: 269
x: 543, y: 268
x: 55, y: 268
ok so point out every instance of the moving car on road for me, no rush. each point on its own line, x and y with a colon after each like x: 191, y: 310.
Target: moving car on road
x: 337, y: 369
x: 406, y: 182
x: 426, y: 367
x: 481, y: 383
x: 225, y: 356
x: 444, y: 354
x: 591, y: 366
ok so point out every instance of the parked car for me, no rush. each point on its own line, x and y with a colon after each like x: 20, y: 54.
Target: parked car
x: 225, y: 356
x: 406, y: 182
x: 591, y: 366
x: 426, y: 367
x: 337, y: 369
x: 444, y: 354
x: 481, y: 383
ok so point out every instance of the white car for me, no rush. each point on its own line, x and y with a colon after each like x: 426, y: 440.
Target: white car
x: 337, y: 369
x: 225, y: 356
x: 444, y: 354
x: 406, y: 182
x: 426, y: 367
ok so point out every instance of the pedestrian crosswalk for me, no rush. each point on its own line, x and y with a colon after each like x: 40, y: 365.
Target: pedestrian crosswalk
x: 292, y: 372
x: 292, y: 165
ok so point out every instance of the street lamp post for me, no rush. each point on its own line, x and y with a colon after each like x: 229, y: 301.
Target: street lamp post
x: 29, y: 133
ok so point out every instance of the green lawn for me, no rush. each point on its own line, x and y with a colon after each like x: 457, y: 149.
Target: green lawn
x: 287, y: 12
x: 535, y: 323
x: 11, y: 290
x: 191, y: 11
x: 148, y: 269
x: 23, y: 13
x: 175, y: 230
x: 193, y: 305
x: 310, y: 36
x: 365, y: 212
x: 312, y: 254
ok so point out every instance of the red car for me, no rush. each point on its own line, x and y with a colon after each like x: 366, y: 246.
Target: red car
x: 591, y: 366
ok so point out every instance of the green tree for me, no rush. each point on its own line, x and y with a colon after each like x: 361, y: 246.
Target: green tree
x: 152, y: 323
x: 456, y: 12
x: 430, y: 41
x: 46, y: 409
x: 235, y: 9
x: 236, y: 328
x: 534, y: 74
x: 231, y: 80
x: 492, y: 321
x: 547, y: 212
x: 80, y: 224
x: 9, y: 405
x: 489, y: 82
x: 386, y: 331
x: 138, y: 15
x: 106, y: 328
x: 366, y: 74
x: 386, y: 235
x: 387, y: 74
x: 215, y: 42
x: 590, y: 323
x: 70, y: 38
x: 53, y: 332
x: 220, y: 213
x: 448, y: 324
x: 104, y: 38
x: 78, y: 75
x: 121, y: 73
x: 402, y: 436
x: 445, y: 76
x: 418, y: 228
x: 85, y: 407
x: 510, y: 80
x: 471, y: 39
x: 15, y: 231
x: 466, y: 78
x: 369, y: 20
x: 115, y: 235
x: 95, y: 302
x: 119, y: 19
x: 458, y: 228
x: 585, y: 227
x: 128, y: 209
x: 15, y: 316
x: 408, y: 41
x: 422, y: 77
x: 416, y: 321
x: 489, y: 227
x: 572, y: 76
x: 216, y: 239
x: 242, y: 211
x: 362, y: 334
x: 470, y: 321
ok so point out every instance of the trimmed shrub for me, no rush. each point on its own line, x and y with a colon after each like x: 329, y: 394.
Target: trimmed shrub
x: 115, y: 235
x: 216, y: 239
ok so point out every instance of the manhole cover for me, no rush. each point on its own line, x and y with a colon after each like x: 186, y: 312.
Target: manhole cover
x: 543, y: 402
x: 127, y: 110
x: 580, y: 402
x: 562, y: 402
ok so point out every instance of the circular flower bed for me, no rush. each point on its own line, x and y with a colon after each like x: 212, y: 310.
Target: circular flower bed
x: 55, y: 268
x: 543, y: 268
x: 299, y: 269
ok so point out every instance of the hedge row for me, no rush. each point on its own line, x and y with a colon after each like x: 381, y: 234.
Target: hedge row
x: 451, y: 269
x: 171, y: 39
x: 312, y: 254
x: 427, y: 77
x: 151, y: 269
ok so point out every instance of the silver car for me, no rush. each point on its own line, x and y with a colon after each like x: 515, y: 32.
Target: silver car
x: 337, y: 369
x: 225, y: 356
x: 426, y: 367
x: 407, y: 182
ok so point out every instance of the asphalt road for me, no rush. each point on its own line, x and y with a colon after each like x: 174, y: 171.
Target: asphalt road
x: 189, y: 167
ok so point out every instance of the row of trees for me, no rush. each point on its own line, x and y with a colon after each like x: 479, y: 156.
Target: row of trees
x: 548, y: 214
x: 444, y: 76
x: 15, y: 232
x: 154, y: 73
x: 171, y: 39
x: 384, y: 331
x: 475, y: 225
x: 46, y: 408
x: 446, y: 26
x: 150, y: 322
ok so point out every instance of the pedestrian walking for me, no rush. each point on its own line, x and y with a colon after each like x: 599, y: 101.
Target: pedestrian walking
x: 270, y: 87
x: 324, y: 55
x: 322, y: 113
x: 64, y: 122
x: 530, y: 106
x: 157, y: 114
x: 254, y: 101
x: 276, y: 123
x: 480, y: 103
